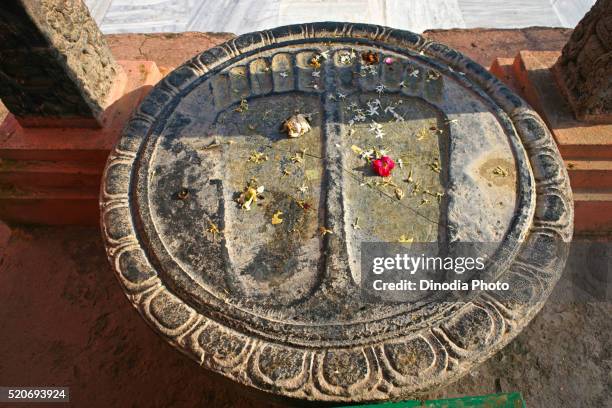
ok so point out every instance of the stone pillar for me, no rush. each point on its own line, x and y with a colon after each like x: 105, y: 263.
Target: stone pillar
x: 584, y: 70
x: 55, y: 66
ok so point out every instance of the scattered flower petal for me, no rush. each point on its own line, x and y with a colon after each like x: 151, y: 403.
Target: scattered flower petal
x: 433, y: 75
x: 303, y: 205
x: 324, y: 231
x: 296, y: 126
x: 369, y: 70
x: 376, y: 128
x: 298, y: 157
x: 409, y: 179
x: 383, y: 166
x: 258, y: 157
x: 276, y: 219
x: 251, y: 193
x: 243, y: 107
x: 314, y: 62
x: 213, y: 229
x: 423, y: 133
x: 183, y: 194
x: 500, y: 171
x: 373, y: 107
x: 370, y: 57
x: 399, y: 193
x: 435, y: 166
x: 346, y: 59
x: 396, y: 116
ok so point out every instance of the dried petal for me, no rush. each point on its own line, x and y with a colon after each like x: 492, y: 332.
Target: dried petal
x: 405, y: 239
x: 399, y: 193
x: 213, y: 229
x: 276, y: 219
x: 314, y: 62
x: 370, y: 57
x: 324, y: 231
x: 356, y: 149
x: 258, y: 157
x: 296, y: 125
x: 243, y: 107
x: 500, y: 171
x: 183, y: 194
x: 250, y: 195
x: 423, y: 133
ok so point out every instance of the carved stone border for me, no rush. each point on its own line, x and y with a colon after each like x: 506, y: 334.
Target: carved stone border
x: 326, y: 373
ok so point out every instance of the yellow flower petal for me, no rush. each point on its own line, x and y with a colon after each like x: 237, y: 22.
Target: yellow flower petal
x: 356, y: 149
x: 276, y: 219
x: 405, y: 240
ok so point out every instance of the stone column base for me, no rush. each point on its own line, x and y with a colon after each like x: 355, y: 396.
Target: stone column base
x: 51, y: 175
x: 585, y: 147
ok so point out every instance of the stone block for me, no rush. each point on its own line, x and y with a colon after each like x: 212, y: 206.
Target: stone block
x: 52, y: 175
x: 585, y: 147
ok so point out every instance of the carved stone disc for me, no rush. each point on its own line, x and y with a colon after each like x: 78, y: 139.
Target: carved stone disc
x: 241, y: 246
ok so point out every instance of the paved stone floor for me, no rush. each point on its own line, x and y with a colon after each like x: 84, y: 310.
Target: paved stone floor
x: 241, y: 16
x: 64, y: 321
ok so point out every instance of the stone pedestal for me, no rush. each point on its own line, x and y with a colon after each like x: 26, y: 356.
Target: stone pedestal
x: 235, y: 204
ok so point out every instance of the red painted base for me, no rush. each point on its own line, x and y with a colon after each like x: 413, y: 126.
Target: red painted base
x: 52, y: 175
x: 586, y: 147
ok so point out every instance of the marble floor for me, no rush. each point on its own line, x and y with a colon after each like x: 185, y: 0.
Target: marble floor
x: 241, y: 16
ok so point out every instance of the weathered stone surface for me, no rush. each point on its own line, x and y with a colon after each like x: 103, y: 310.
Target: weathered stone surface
x: 584, y: 69
x: 54, y: 63
x: 276, y: 305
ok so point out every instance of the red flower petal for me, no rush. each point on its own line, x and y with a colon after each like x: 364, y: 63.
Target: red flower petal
x: 383, y: 166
